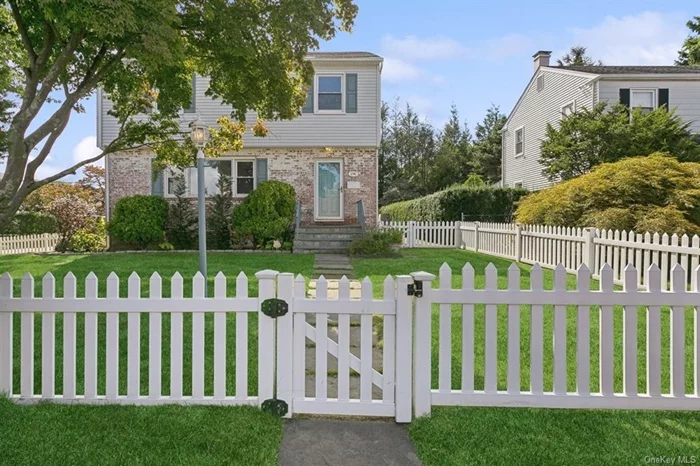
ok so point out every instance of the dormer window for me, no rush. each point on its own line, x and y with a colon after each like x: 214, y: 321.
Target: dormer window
x: 329, y: 93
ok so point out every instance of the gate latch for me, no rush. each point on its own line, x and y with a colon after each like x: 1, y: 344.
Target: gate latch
x: 415, y: 289
x: 274, y: 307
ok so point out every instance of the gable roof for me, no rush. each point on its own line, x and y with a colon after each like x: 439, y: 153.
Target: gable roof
x: 343, y: 56
x: 602, y: 69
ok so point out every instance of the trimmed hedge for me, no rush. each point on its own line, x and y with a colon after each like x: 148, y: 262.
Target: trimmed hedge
x: 485, y: 204
x: 139, y: 220
x: 32, y: 223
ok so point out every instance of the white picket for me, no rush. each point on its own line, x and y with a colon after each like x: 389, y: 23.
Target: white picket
x: 560, y: 334
x: 366, y: 345
x: 198, y: 292
x: 629, y: 335
x: 389, y: 353
x: 653, y: 334
x: 112, y: 364
x: 467, y: 332
x: 6, y: 336
x: 321, y: 374
x: 220, y: 340
x: 606, y: 333
x: 91, y: 284
x: 70, y: 331
x: 27, y: 340
x: 445, y: 334
x: 583, y: 334
x: 677, y: 333
x: 299, y: 343
x: 491, y: 330
x: 134, y: 340
x: 48, y: 340
x: 155, y: 335
x: 176, y: 336
x: 242, y: 340
x: 266, y: 337
x: 285, y: 345
x: 536, y: 338
x: 344, y: 344
x: 513, y: 333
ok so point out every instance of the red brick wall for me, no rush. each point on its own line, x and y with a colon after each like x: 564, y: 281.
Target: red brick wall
x: 129, y: 173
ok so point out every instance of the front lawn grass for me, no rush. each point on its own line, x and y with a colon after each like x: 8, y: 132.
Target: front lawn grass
x: 525, y: 436
x: 117, y: 435
x: 166, y: 264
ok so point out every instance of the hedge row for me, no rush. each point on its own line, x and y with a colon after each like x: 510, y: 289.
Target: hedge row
x: 477, y: 204
x: 31, y: 223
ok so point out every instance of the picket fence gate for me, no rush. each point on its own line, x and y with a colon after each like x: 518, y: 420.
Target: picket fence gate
x: 289, y: 326
x: 25, y: 244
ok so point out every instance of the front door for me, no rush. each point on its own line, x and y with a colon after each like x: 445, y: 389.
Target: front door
x: 329, y: 190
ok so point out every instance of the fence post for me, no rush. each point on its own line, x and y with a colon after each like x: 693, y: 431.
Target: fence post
x: 266, y: 337
x: 422, y: 364
x: 589, y: 249
x: 404, y: 350
x: 285, y: 347
x: 411, y: 234
x: 518, y: 243
x: 476, y: 236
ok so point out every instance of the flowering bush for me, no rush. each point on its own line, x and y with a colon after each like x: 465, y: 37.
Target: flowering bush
x: 72, y: 213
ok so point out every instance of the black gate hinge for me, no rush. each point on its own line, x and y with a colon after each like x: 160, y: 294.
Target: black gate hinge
x: 415, y: 289
x: 274, y: 307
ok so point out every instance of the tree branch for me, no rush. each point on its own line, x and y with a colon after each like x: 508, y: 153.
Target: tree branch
x: 34, y: 165
x: 24, y: 34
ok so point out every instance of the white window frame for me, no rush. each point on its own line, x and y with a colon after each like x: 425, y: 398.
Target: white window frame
x: 537, y: 82
x: 572, y: 104
x: 172, y: 171
x: 342, y: 93
x: 655, y: 96
x: 515, y: 141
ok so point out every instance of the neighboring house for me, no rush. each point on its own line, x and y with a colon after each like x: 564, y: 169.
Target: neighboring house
x: 556, y: 91
x: 329, y: 153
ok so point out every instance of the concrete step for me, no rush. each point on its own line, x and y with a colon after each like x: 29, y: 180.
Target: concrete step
x: 327, y: 243
x: 329, y: 266
x: 317, y: 250
x: 304, y: 236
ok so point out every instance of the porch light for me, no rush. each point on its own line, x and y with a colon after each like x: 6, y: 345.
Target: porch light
x: 199, y: 134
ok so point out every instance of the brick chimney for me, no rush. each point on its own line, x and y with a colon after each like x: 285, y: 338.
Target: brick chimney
x: 542, y: 58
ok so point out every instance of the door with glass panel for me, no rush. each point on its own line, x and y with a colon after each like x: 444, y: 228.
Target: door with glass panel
x: 329, y: 190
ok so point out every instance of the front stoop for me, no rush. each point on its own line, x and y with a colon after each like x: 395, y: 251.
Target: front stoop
x: 330, y: 239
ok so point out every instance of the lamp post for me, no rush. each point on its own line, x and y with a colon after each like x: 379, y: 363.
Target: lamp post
x: 200, y: 135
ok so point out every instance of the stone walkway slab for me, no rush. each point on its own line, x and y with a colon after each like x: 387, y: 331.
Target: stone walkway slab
x: 321, y: 442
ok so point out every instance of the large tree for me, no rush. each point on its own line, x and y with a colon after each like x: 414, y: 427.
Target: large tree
x: 62, y: 51
x: 577, y: 56
x: 607, y: 134
x: 452, y: 158
x: 689, y: 54
x: 487, y: 145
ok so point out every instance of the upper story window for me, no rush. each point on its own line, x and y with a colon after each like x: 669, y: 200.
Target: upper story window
x: 568, y: 109
x: 329, y: 93
x: 241, y: 173
x: 519, y: 141
x: 644, y: 99
x: 540, y: 83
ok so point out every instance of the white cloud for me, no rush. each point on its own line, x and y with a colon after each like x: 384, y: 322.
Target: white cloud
x: 396, y: 70
x: 648, y: 38
x: 422, y: 105
x: 413, y: 48
x: 86, y: 149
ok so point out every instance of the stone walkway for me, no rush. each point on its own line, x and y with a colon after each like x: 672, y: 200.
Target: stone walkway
x: 333, y: 266
x: 321, y: 442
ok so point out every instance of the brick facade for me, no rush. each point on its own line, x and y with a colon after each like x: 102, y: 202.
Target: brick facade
x: 129, y: 173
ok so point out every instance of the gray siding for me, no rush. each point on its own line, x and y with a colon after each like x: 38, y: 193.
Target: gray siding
x: 309, y: 130
x: 684, y: 96
x: 535, y: 110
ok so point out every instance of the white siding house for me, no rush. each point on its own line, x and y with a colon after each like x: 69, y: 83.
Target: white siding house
x: 554, y: 91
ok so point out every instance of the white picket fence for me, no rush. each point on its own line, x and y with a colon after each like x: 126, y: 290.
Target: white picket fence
x: 23, y: 244
x: 397, y: 387
x: 571, y: 247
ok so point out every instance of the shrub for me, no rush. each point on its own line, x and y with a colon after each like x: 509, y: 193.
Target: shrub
x: 92, y: 238
x: 654, y: 193
x: 72, y: 213
x: 32, y: 223
x: 265, y: 214
x: 139, y: 220
x: 483, y: 204
x: 181, y: 230
x: 376, y: 243
x: 219, y: 216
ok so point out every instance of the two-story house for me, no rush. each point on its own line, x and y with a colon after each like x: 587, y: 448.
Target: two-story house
x: 556, y: 91
x: 329, y: 153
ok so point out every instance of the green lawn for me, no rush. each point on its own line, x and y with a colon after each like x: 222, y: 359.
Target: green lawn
x: 121, y: 435
x: 567, y: 437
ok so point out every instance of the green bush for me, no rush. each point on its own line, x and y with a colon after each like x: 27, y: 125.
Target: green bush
x: 32, y: 223
x: 376, y: 243
x: 485, y: 204
x: 139, y: 220
x: 266, y: 214
x: 181, y: 229
x: 655, y: 193
x: 92, y: 238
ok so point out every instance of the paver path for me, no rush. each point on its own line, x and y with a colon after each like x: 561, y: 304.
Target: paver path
x: 333, y: 266
x: 321, y: 442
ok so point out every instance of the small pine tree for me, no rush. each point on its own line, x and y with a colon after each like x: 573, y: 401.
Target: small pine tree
x: 219, y: 216
x: 182, y: 219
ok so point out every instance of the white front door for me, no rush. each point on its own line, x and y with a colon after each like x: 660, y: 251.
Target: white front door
x: 329, y: 190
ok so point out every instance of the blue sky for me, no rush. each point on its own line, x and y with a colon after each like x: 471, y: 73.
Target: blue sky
x: 472, y: 53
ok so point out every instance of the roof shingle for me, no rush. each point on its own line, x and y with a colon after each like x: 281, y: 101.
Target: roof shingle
x: 602, y: 69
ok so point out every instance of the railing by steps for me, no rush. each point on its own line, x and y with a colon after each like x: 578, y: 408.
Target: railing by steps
x: 361, y: 213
